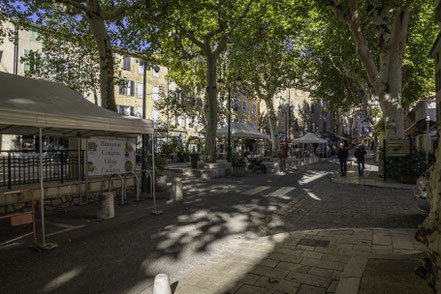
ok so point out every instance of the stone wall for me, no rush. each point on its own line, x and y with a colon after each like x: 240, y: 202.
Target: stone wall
x: 58, y: 194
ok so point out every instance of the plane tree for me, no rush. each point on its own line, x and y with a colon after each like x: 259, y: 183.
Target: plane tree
x: 100, y: 18
x: 381, y: 56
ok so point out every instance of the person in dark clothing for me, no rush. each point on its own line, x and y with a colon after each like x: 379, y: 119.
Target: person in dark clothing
x: 359, y: 154
x: 342, y: 155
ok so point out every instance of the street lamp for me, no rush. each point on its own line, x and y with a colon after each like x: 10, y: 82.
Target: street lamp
x: 220, y: 81
x: 156, y: 68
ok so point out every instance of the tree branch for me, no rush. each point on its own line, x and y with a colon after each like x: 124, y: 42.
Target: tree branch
x: 124, y: 10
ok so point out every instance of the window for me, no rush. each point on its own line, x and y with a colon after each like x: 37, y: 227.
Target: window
x: 155, y: 93
x: 182, y: 121
x: 297, y: 104
x: 245, y: 122
x: 196, y: 122
x: 131, y: 88
x: 254, y: 123
x: 35, y: 36
x: 33, y: 60
x: 191, y: 122
x: 119, y: 108
x: 139, y: 111
x: 127, y: 88
x: 236, y: 105
x: 140, y: 67
x: 254, y: 108
x: 126, y: 63
x: 155, y: 115
x: 139, y: 90
x: 126, y: 110
x: 132, y: 111
x: 244, y: 106
x: 179, y: 97
x: 313, y: 127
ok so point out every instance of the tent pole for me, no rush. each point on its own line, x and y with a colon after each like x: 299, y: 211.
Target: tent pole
x: 86, y: 170
x: 79, y: 170
x: 43, y: 231
x: 153, y: 171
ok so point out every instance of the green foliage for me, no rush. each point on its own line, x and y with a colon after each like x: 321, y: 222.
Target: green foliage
x: 160, y: 164
x: 407, y: 167
x: 238, y: 161
x: 168, y: 148
x: 380, y: 126
x: 335, y: 73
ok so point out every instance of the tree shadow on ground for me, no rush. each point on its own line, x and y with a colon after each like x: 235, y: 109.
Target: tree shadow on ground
x: 124, y: 254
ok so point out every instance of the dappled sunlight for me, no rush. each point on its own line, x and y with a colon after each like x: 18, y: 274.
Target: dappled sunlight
x: 62, y: 279
x: 312, y: 176
x: 311, y: 194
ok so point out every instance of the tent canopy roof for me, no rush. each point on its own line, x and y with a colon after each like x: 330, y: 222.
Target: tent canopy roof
x: 241, y: 131
x: 27, y: 104
x: 309, y: 138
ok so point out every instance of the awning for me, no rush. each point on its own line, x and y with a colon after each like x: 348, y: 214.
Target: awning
x: 310, y: 138
x: 27, y: 104
x: 241, y: 131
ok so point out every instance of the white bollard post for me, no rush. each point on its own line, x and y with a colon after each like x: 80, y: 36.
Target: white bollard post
x: 161, y: 284
x: 177, y: 192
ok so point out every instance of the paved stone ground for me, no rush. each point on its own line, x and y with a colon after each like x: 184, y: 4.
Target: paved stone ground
x: 281, y: 264
x: 239, y: 235
x: 370, y: 176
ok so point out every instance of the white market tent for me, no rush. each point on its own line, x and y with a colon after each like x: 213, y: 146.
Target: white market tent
x: 28, y: 104
x: 36, y: 107
x: 241, y: 131
x: 311, y: 138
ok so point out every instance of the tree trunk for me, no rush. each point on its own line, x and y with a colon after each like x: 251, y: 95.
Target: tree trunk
x: 393, y: 116
x: 98, y: 27
x: 211, y: 109
x: 429, y: 233
x: 272, y: 121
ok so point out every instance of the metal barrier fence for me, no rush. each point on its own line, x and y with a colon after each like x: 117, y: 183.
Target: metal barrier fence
x: 22, y: 166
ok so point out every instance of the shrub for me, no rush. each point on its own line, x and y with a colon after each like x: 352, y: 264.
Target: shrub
x: 407, y: 166
x: 160, y: 164
x: 237, y: 161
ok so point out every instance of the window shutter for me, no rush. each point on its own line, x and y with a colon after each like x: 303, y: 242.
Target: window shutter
x: 121, y: 89
x: 27, y: 66
x: 132, y: 88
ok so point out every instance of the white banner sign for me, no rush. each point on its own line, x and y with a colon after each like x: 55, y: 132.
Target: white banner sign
x: 110, y: 156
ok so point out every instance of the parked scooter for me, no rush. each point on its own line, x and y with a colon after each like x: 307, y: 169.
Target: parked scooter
x: 255, y: 165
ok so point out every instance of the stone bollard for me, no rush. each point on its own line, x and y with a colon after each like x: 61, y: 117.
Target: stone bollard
x: 177, y: 192
x: 161, y: 285
x: 276, y: 166
x: 107, y: 206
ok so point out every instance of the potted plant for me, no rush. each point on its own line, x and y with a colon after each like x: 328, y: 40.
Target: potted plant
x: 238, y: 164
x: 160, y: 178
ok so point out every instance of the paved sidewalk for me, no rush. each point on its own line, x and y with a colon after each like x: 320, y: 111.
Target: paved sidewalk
x: 370, y: 176
x: 302, y: 262
x: 228, y: 234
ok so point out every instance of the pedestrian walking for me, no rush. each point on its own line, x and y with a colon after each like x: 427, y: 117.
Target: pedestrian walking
x: 342, y: 154
x: 282, y: 158
x: 359, y: 154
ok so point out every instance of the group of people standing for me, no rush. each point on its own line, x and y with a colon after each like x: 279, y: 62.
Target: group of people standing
x: 343, y: 154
